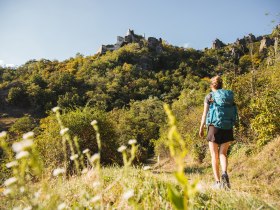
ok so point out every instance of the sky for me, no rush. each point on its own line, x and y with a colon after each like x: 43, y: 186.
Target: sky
x: 58, y: 29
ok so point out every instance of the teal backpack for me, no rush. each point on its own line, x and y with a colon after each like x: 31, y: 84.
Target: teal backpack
x: 222, y: 111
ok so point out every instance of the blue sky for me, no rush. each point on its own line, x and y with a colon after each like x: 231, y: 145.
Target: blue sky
x: 58, y: 29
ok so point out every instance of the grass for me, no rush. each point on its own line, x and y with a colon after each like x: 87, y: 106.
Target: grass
x: 177, y: 183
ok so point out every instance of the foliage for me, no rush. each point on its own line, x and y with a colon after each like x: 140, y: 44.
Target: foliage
x: 23, y: 125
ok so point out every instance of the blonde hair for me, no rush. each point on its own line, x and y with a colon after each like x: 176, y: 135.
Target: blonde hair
x: 217, y: 82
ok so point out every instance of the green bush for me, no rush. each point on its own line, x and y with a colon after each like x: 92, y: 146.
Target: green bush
x: 23, y: 125
x: 78, y: 121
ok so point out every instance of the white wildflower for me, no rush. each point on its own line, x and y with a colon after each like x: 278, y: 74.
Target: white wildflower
x: 22, y: 145
x: 10, y: 181
x: 95, y: 184
x: 22, y: 189
x: 64, y: 131
x: 95, y: 199
x: 95, y: 157
x: 17, y: 208
x: 11, y: 164
x: 37, y: 194
x: 86, y: 151
x: 74, y: 157
x: 127, y: 195
x: 58, y: 171
x: 94, y: 122
x: 146, y: 168
x: 55, y: 109
x: 84, y: 171
x: 122, y: 148
x: 7, y: 191
x: 28, y: 208
x: 200, y: 188
x: 61, y: 206
x: 22, y: 154
x: 28, y: 135
x: 132, y: 141
x: 3, y: 134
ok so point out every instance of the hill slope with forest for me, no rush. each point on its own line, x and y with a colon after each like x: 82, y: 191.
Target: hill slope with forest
x: 124, y: 91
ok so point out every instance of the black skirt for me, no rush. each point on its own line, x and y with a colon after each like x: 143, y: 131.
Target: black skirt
x: 218, y: 135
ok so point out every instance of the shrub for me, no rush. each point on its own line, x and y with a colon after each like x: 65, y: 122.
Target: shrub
x: 23, y: 125
x: 78, y: 121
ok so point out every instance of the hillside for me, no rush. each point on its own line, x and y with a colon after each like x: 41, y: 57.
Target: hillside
x: 100, y: 119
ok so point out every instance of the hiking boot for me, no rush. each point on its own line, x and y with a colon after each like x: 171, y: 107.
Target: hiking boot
x: 216, y: 186
x: 225, y: 181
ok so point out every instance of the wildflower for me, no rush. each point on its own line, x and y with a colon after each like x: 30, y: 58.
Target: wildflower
x: 122, y: 148
x: 86, y: 151
x: 7, y: 191
x: 21, y: 189
x: 22, y: 145
x: 64, y: 131
x: 22, y: 154
x: 37, y: 194
x: 3, y: 134
x: 10, y: 181
x: 27, y: 208
x: 95, y: 199
x: 11, y: 164
x: 55, y: 109
x: 95, y: 184
x: 84, y: 171
x: 61, y: 206
x: 17, y: 208
x: 95, y: 157
x: 127, y: 195
x: 132, y: 141
x: 94, y: 122
x: 58, y: 171
x: 28, y: 135
x: 200, y: 188
x: 146, y: 168
x: 73, y: 157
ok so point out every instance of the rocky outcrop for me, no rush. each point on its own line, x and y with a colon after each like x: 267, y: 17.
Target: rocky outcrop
x: 265, y: 43
x: 217, y: 44
x: 131, y: 37
x: 155, y: 44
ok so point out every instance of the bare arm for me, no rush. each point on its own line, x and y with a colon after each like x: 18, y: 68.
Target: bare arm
x: 203, y: 119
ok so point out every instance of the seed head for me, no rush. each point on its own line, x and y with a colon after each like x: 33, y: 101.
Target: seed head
x: 95, y: 157
x: 22, y: 145
x: 94, y: 122
x: 11, y: 164
x: 86, y: 151
x: 58, y: 171
x: 95, y: 199
x: 146, y: 168
x: 128, y: 194
x: 74, y: 157
x: 3, y: 134
x: 61, y: 206
x: 22, y: 154
x: 132, y: 141
x: 55, y: 109
x: 64, y: 131
x: 122, y: 148
x: 28, y: 135
x: 10, y: 181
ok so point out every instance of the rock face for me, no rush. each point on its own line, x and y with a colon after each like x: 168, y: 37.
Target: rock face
x: 265, y: 43
x: 131, y: 37
x: 155, y: 44
x: 217, y: 44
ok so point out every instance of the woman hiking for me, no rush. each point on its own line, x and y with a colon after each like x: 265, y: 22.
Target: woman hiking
x: 219, y: 115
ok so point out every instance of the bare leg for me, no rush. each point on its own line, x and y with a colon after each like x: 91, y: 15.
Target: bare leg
x: 223, y: 156
x: 214, y: 150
